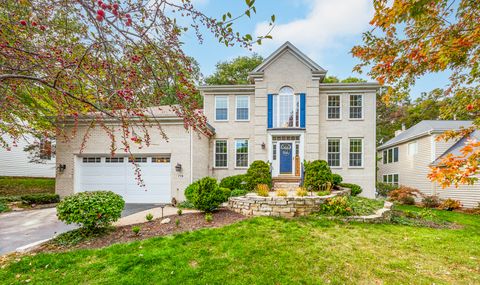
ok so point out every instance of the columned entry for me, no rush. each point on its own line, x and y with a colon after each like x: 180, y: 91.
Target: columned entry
x: 286, y: 154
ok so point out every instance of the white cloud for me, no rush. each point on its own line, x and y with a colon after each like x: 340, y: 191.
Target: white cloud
x: 327, y: 25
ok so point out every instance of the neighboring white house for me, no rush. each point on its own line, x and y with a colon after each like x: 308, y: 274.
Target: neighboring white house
x: 285, y: 117
x: 17, y: 162
x: 406, y: 159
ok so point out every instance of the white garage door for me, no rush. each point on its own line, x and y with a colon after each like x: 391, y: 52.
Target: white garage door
x: 118, y: 175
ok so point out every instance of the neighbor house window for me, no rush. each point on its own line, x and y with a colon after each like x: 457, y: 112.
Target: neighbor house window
x: 391, y: 179
x: 242, y: 108
x: 221, y: 153
x: 356, y: 106
x: 333, y: 108
x: 390, y: 155
x: 241, y: 153
x: 286, y: 109
x: 114, y: 159
x: 356, y: 152
x: 221, y: 108
x: 333, y: 152
x: 412, y: 148
x: 46, y: 150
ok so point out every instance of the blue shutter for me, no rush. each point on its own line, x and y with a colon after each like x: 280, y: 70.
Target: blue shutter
x: 270, y: 111
x: 302, y: 110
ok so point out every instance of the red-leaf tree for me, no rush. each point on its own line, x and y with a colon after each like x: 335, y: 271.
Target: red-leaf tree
x: 412, y: 38
x: 98, y: 60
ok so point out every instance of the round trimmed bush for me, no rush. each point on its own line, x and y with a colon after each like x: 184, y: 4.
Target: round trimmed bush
x: 354, y: 188
x: 206, y: 195
x: 336, y: 179
x: 234, y: 182
x: 91, y: 210
x: 258, y: 173
x: 317, y: 174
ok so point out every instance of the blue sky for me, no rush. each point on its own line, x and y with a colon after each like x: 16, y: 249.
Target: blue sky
x: 325, y: 30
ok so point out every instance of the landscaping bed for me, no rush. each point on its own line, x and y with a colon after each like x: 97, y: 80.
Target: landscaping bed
x: 123, y: 234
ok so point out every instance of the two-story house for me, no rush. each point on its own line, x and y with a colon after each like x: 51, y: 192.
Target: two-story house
x: 406, y: 159
x: 287, y: 115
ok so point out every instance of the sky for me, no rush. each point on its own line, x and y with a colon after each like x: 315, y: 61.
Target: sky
x: 325, y: 30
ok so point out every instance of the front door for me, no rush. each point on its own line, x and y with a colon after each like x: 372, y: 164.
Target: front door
x: 285, y: 158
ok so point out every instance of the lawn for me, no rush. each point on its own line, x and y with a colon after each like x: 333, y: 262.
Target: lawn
x: 17, y: 186
x: 274, y: 251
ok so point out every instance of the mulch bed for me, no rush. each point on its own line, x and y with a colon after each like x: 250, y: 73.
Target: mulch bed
x: 123, y: 234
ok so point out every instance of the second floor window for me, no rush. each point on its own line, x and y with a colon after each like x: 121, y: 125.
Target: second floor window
x: 390, y: 155
x: 286, y: 109
x: 333, y: 108
x: 356, y: 106
x: 221, y: 153
x: 221, y: 108
x: 241, y: 111
x: 333, y: 152
x: 356, y: 152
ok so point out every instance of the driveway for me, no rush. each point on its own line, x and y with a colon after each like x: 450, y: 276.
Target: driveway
x: 18, y: 229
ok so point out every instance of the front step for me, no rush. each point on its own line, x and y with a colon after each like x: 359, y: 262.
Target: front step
x: 289, y: 183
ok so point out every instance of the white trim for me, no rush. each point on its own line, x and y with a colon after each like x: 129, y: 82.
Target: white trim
x: 392, y: 183
x: 215, y: 154
x: 326, y: 110
x: 363, y: 153
x: 363, y: 107
x: 340, y: 148
x: 215, y: 110
x: 248, y: 152
x: 393, y: 155
x: 284, y: 132
x: 236, y: 106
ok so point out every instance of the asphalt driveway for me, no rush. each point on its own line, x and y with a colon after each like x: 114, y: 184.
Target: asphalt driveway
x: 18, y: 229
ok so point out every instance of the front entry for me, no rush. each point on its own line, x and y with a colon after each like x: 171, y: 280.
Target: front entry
x: 286, y: 158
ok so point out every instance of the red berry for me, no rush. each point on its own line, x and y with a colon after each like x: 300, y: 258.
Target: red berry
x: 127, y: 15
x: 129, y: 22
x: 99, y: 18
x: 104, y: 6
x: 115, y: 12
x: 42, y: 28
x: 23, y: 22
x: 101, y: 13
x: 469, y: 107
x: 115, y: 6
x: 34, y: 24
x: 100, y: 3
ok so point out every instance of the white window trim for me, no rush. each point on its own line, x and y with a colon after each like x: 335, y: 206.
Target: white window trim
x: 391, y: 183
x: 340, y: 147
x: 228, y: 108
x: 236, y: 106
x: 363, y: 107
x: 215, y: 154
x: 363, y: 152
x: 248, y: 152
x: 276, y: 109
x: 393, y: 155
x: 326, y: 111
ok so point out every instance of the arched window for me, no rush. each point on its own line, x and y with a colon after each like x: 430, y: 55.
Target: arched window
x: 286, y: 108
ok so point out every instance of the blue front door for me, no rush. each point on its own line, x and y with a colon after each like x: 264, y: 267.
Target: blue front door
x: 286, y: 158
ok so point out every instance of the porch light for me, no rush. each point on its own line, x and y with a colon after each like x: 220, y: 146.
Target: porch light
x: 263, y: 145
x: 178, y: 167
x: 61, y: 167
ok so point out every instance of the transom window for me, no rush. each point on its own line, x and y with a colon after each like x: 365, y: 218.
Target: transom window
x: 333, y: 108
x: 221, y: 108
x: 91, y: 160
x: 286, y: 138
x: 114, y: 159
x: 333, y: 152
x: 221, y: 153
x: 356, y: 106
x: 242, y: 106
x: 390, y: 155
x: 161, y: 159
x: 137, y: 159
x: 356, y: 152
x: 241, y: 153
x: 286, y: 109
x: 391, y: 179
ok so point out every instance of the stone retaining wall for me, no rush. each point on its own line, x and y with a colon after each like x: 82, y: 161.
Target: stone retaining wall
x: 254, y: 205
x: 382, y: 215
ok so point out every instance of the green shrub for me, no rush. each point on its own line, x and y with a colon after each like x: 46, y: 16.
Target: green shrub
x: 136, y: 230
x: 383, y: 189
x: 336, y: 179
x: 234, y: 182
x: 336, y: 206
x: 208, y: 217
x: 179, y: 212
x: 431, y: 201
x: 238, y: 192
x: 149, y: 217
x: 3, y: 207
x: 323, y: 193
x: 177, y: 223
x: 354, y: 188
x: 206, y: 195
x: 258, y: 173
x: 40, y: 199
x: 317, y: 174
x: 185, y: 205
x: 91, y: 210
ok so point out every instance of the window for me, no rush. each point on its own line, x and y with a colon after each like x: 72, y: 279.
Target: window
x: 356, y: 152
x: 356, y: 106
x: 333, y: 107
x: 161, y: 159
x: 46, y: 150
x: 412, y: 148
x: 391, y: 179
x: 286, y: 109
x: 242, y: 106
x: 221, y: 153
x: 390, y: 155
x: 221, y: 108
x: 274, y: 151
x: 91, y: 160
x: 138, y: 159
x: 241, y: 153
x: 114, y: 159
x: 333, y: 152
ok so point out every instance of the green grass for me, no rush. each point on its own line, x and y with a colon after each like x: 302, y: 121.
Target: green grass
x: 18, y: 186
x: 364, y: 206
x: 274, y: 251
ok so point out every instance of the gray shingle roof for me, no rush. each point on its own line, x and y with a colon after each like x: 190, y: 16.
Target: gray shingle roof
x: 424, y: 128
x: 455, y: 149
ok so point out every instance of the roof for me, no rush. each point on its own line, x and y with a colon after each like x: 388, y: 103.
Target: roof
x: 425, y: 128
x: 288, y: 46
x: 455, y: 148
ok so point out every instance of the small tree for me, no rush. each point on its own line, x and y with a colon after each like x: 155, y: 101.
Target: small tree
x: 258, y: 173
x: 317, y: 174
x: 206, y: 195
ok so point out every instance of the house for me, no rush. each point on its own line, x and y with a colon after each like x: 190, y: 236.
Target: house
x: 406, y: 159
x: 16, y: 161
x: 287, y: 115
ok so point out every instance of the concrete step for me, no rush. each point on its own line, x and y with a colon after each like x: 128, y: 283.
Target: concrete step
x: 289, y: 186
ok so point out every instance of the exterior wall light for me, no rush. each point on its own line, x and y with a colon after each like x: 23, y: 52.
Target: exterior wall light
x: 178, y: 167
x: 263, y: 145
x: 61, y: 167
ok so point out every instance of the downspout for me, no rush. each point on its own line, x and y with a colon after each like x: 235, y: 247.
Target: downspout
x: 191, y: 156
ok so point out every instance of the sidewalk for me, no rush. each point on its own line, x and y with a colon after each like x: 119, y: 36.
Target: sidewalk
x: 156, y: 212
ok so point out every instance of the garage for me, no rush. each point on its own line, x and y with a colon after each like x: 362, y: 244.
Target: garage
x: 117, y: 174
